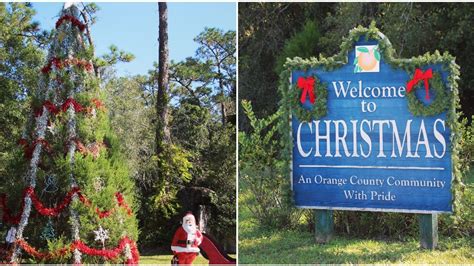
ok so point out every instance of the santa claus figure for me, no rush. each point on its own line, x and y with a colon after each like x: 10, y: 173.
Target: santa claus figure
x: 186, y: 240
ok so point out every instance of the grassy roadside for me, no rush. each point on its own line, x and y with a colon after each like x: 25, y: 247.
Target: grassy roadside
x: 261, y: 246
x: 166, y: 259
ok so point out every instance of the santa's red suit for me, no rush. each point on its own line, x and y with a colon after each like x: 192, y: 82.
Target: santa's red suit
x: 186, y: 240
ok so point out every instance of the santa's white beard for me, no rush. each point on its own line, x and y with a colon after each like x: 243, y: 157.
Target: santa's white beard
x: 189, y: 228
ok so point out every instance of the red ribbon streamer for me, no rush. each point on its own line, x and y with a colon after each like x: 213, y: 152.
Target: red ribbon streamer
x: 56, y: 62
x: 71, y: 101
x: 122, y: 203
x: 421, y: 76
x: 51, y: 211
x: 39, y: 206
x: 28, y: 150
x: 22, y: 142
x: 93, y: 148
x: 73, y: 20
x: 50, y: 106
x: 77, y: 107
x: 307, y: 86
x: 42, y: 142
x: 104, y: 214
x: 42, y: 255
x: 46, y: 68
x: 7, y: 216
x: 59, y: 64
x: 109, y: 254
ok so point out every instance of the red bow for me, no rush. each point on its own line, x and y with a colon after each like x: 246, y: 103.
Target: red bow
x: 419, y: 76
x: 307, y: 85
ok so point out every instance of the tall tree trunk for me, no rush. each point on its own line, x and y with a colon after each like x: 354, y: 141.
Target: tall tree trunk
x: 223, y: 112
x: 162, y: 99
x: 221, y: 87
x: 89, y: 39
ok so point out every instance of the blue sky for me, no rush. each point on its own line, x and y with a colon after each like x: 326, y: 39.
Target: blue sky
x: 133, y: 27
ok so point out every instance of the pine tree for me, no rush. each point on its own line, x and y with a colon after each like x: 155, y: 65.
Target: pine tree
x: 71, y: 178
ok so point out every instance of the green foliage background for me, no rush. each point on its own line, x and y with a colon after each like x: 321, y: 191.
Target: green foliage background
x: 201, y: 154
x: 266, y: 32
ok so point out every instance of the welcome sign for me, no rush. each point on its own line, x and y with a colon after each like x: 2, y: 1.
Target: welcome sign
x: 372, y: 133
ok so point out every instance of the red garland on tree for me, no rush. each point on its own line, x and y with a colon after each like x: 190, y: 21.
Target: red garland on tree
x: 42, y: 255
x: 110, y: 254
x: 93, y: 149
x: 103, y: 214
x: 60, y: 64
x: 51, y: 107
x: 28, y: 149
x: 73, y: 20
x: 39, y: 206
x: 7, y: 216
x: 51, y: 211
x: 70, y: 101
x: 122, y: 203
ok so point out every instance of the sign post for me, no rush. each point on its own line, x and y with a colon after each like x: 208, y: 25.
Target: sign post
x: 428, y: 230
x: 324, y: 225
x: 371, y: 132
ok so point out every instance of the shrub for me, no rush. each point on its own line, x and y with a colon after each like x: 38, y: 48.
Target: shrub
x: 261, y: 172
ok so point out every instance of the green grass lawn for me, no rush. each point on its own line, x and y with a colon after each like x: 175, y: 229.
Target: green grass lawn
x: 166, y: 259
x: 260, y: 246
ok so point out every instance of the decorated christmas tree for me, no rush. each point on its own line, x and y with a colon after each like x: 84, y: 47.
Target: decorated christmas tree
x: 69, y: 196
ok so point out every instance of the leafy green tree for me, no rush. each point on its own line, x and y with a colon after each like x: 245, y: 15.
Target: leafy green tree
x: 264, y: 29
x: 20, y: 58
x: 303, y: 44
x: 200, y: 156
x: 192, y: 80
x: 212, y: 76
x: 218, y: 49
x: 413, y: 28
x: 262, y: 172
x: 131, y: 120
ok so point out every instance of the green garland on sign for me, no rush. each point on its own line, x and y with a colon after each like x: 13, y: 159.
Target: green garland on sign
x: 451, y: 99
x: 319, y: 108
x: 440, y: 103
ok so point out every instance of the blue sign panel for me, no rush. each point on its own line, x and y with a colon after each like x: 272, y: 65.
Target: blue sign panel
x: 369, y: 152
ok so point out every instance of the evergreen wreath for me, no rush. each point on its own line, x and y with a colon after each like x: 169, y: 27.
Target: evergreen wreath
x: 318, y: 109
x: 440, y: 104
